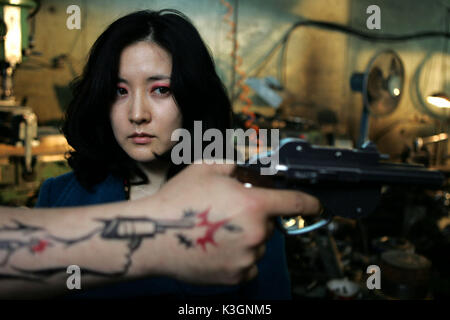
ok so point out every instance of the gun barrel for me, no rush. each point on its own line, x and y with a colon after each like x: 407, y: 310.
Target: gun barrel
x: 347, y: 182
x: 382, y: 174
x: 405, y: 175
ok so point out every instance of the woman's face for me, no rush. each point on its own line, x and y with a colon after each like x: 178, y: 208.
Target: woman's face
x: 144, y: 114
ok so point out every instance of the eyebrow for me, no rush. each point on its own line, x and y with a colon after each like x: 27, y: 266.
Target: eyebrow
x: 149, y: 79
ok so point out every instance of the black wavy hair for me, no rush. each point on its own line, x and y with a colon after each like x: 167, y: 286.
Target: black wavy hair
x: 197, y: 89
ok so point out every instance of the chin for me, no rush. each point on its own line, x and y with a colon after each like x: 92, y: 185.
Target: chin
x: 141, y: 155
x: 143, y: 158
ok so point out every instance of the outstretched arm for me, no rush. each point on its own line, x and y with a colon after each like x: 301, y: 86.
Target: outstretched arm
x: 202, y: 227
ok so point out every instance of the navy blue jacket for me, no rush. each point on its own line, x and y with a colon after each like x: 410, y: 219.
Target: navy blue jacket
x: 273, y: 280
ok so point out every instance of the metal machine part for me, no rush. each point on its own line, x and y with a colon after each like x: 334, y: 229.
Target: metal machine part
x: 381, y: 86
x: 405, y: 275
x: 420, y: 142
x: 18, y: 126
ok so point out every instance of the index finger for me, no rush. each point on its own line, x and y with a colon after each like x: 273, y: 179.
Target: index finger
x: 287, y: 202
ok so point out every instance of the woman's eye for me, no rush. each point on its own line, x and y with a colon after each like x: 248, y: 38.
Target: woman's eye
x: 162, y: 91
x: 121, y: 91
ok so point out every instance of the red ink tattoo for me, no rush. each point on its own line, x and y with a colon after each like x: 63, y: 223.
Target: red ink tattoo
x: 211, y: 228
x: 40, y: 246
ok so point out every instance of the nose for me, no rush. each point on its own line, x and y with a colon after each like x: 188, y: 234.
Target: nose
x: 139, y: 112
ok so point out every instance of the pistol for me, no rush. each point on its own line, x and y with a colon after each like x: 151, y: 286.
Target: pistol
x: 347, y: 182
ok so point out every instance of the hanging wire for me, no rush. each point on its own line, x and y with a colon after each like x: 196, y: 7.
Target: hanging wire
x: 445, y: 51
x: 237, y: 62
x: 284, y: 40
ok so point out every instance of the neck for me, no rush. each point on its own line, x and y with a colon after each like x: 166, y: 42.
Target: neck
x: 155, y: 170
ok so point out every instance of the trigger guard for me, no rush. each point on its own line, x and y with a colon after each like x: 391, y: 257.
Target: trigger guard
x: 292, y: 232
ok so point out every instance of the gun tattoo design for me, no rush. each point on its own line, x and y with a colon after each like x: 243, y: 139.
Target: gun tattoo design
x: 133, y: 230
x: 136, y: 229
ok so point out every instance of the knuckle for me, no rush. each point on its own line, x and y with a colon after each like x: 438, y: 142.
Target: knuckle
x: 253, y: 204
x: 248, y: 261
x: 261, y: 252
x: 257, y: 236
x: 237, y: 272
x: 232, y: 274
x: 234, y: 278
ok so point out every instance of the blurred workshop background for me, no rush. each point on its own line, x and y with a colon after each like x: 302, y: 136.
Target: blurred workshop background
x: 287, y: 64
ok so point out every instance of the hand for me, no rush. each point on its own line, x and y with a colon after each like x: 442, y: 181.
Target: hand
x: 249, y: 211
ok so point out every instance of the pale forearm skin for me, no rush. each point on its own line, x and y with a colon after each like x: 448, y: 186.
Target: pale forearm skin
x: 37, y: 246
x: 202, y: 227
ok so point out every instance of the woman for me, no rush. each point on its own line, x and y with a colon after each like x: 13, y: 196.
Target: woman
x: 148, y: 74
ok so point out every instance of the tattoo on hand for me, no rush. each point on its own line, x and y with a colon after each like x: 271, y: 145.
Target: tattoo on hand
x: 36, y: 240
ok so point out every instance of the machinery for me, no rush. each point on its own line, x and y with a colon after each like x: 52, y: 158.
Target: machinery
x: 405, y: 235
x: 18, y: 124
x: 381, y: 86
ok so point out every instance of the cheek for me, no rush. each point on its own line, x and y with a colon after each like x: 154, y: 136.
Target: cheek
x: 170, y: 119
x: 177, y: 117
x: 176, y: 122
x: 116, y: 118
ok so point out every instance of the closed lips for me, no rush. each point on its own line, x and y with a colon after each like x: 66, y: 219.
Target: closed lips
x: 140, y: 135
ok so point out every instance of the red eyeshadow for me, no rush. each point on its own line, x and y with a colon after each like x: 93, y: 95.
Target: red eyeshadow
x: 157, y: 85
